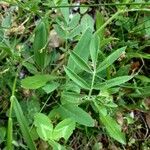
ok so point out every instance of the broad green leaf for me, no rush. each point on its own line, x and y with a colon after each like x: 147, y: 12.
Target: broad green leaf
x: 94, y: 47
x: 33, y: 107
x: 76, y: 113
x: 82, y: 49
x: 30, y: 67
x: 74, y: 21
x: 50, y: 87
x: 65, y: 10
x: 23, y: 123
x: 87, y: 22
x: 83, y: 10
x: 113, y: 129
x: 56, y: 146
x: 64, y: 129
x: 80, y: 62
x: 113, y: 82
x: 44, y: 126
x: 75, y: 32
x: 37, y: 81
x: 70, y: 97
x: 39, y: 44
x: 61, y: 32
x: 78, y: 80
x: 110, y: 59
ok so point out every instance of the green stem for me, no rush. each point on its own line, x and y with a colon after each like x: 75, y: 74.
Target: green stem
x: 98, y: 5
x: 108, y: 21
x: 116, y: 15
x: 92, y: 84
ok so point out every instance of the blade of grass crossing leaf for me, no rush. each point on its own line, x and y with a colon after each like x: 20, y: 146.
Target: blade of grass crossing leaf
x: 80, y: 62
x: 23, y: 124
x: 110, y: 59
x: 99, y: 23
x: 78, y: 80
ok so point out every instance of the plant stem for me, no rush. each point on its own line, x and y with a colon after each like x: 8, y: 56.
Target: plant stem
x: 108, y: 21
x: 98, y: 5
x: 92, y: 84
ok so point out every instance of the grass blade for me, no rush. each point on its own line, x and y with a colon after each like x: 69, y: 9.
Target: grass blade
x: 23, y: 124
x: 9, y: 134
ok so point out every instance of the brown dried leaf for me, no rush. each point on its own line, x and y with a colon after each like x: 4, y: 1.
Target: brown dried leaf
x: 54, y: 40
x: 147, y: 117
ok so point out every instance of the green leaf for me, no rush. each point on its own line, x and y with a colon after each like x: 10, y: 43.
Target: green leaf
x: 50, y: 87
x: 76, y: 113
x: 75, y: 32
x: 65, y: 11
x: 94, y: 47
x: 113, y: 82
x: 74, y: 21
x: 61, y: 32
x: 70, y: 97
x: 113, y: 129
x: 37, y: 81
x: 110, y: 59
x: 82, y: 49
x: 80, y: 62
x: 64, y: 129
x: 138, y: 55
x: 56, y: 146
x: 3, y: 133
x: 6, y: 22
x: 44, y: 126
x: 30, y: 67
x: 78, y: 80
x: 143, y: 78
x: 87, y: 22
x: 39, y: 44
x: 23, y: 123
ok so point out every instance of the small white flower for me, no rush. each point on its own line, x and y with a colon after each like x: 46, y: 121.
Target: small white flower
x: 132, y: 114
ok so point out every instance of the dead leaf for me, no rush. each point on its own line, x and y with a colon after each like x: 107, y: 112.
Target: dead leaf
x: 147, y: 117
x: 54, y: 40
x: 120, y: 118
